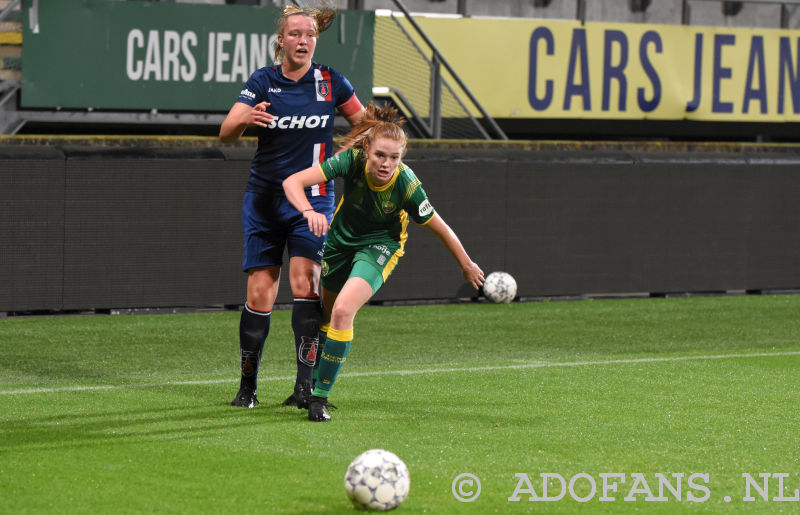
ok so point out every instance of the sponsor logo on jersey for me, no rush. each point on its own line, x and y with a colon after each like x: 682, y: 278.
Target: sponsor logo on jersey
x: 425, y: 208
x: 299, y: 122
x: 247, y: 93
x: 322, y: 88
x: 388, y: 207
x: 274, y: 90
x: 323, y: 83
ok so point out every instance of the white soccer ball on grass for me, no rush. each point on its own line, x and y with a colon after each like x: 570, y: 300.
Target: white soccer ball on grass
x: 500, y: 287
x: 377, y: 480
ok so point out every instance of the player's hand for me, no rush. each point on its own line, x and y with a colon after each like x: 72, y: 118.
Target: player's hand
x: 259, y: 115
x: 473, y: 274
x: 317, y: 222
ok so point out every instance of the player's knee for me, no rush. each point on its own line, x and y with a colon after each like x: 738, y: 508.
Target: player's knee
x: 305, y: 285
x: 305, y: 290
x: 261, y: 293
x: 343, y: 316
x: 258, y: 299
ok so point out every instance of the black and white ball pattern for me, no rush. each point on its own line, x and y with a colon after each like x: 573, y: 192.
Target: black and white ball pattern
x: 500, y: 287
x: 377, y: 480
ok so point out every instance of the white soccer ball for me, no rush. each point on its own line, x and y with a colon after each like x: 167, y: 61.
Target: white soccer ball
x: 377, y: 480
x: 500, y: 287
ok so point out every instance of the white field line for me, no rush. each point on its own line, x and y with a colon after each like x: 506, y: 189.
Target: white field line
x: 520, y: 366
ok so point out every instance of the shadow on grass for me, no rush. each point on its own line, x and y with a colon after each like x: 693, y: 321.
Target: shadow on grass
x: 101, y: 427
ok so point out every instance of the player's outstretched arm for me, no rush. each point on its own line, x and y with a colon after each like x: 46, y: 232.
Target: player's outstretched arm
x: 470, y: 270
x: 295, y: 185
x: 240, y: 117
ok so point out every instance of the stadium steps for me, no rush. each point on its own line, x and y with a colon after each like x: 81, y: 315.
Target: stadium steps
x: 11, y: 43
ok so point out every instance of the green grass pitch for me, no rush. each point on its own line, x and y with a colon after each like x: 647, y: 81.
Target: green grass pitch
x: 131, y: 414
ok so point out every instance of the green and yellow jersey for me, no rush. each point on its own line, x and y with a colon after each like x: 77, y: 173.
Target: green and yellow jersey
x: 368, y: 215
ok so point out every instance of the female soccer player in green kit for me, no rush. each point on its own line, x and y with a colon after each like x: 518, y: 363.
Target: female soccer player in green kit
x: 367, y: 235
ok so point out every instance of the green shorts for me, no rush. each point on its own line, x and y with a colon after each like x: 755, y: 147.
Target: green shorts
x: 373, y: 263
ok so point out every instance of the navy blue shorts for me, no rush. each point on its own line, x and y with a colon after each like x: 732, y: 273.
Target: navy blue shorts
x: 271, y: 224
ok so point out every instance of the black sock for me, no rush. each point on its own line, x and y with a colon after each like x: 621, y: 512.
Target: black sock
x: 253, y: 331
x: 306, y: 318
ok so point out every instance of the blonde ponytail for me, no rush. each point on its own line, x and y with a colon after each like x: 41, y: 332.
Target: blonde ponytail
x: 377, y: 122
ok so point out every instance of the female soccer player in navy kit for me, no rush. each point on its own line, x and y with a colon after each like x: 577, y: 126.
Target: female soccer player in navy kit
x: 293, y: 105
x: 368, y: 233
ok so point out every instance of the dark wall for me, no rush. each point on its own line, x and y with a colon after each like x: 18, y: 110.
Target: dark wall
x: 622, y: 222
x: 101, y: 228
x: 31, y: 227
x: 112, y: 228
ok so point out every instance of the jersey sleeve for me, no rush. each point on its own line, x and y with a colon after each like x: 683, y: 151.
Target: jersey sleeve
x: 338, y: 165
x: 342, y: 89
x: 254, y: 90
x: 351, y: 107
x: 416, y: 202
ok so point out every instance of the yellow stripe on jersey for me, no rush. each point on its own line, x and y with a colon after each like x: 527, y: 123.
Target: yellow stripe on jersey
x: 403, y: 227
x: 387, y: 270
x: 412, y: 187
x: 386, y: 186
x: 339, y: 205
x: 402, y: 241
x: 323, y: 172
x: 344, y: 335
x: 429, y: 219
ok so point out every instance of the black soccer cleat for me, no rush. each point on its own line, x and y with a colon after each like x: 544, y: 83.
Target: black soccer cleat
x: 318, y: 409
x: 245, y: 398
x: 300, y: 396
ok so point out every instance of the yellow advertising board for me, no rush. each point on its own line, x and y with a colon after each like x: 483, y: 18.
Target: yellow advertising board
x: 536, y: 68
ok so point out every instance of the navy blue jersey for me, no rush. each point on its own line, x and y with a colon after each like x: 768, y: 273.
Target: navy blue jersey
x: 302, y: 133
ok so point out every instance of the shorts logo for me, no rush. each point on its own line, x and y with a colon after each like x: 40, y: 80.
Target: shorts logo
x: 307, y: 353
x: 388, y: 207
x: 324, y: 267
x: 425, y: 208
x: 382, y: 248
x: 381, y: 259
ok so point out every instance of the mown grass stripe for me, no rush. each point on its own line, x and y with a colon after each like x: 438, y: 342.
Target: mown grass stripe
x: 519, y: 366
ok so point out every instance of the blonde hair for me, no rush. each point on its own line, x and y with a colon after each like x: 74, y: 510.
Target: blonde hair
x: 323, y: 18
x: 377, y: 122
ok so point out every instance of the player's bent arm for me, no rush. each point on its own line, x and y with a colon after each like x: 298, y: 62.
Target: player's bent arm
x: 470, y: 270
x: 355, y: 117
x: 295, y: 185
x: 235, y: 123
x: 353, y: 110
x: 240, y: 117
